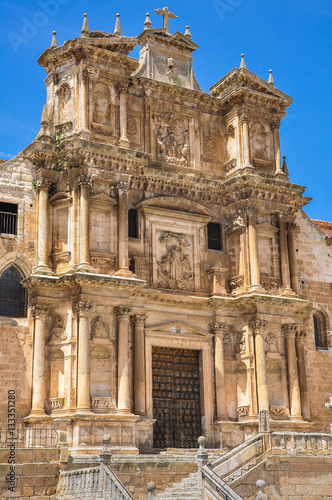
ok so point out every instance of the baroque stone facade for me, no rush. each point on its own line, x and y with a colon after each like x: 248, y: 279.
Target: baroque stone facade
x: 154, y: 220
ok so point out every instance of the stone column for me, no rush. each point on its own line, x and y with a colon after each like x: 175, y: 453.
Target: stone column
x: 83, y: 357
x: 275, y: 128
x: 253, y: 248
x: 244, y: 269
x: 123, y: 358
x: 39, y: 314
x: 83, y: 103
x: 245, y: 140
x: 84, y: 218
x: 292, y: 257
x: 290, y: 330
x: 43, y: 227
x: 139, y: 364
x: 121, y: 88
x: 219, y: 367
x: 299, y: 340
x: 123, y: 261
x: 263, y: 395
x: 285, y: 276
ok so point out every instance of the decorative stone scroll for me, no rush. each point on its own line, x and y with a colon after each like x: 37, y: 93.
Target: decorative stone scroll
x: 174, y: 270
x: 172, y: 138
x: 277, y: 411
x: 99, y: 329
x: 242, y: 411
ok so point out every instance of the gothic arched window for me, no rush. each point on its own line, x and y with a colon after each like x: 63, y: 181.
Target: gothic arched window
x: 320, y: 330
x: 13, y: 297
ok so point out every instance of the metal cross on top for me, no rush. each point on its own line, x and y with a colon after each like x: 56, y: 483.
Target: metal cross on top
x: 166, y: 15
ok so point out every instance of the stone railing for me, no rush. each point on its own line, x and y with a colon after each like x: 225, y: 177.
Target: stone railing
x: 301, y: 443
x: 102, y: 403
x: 91, y: 482
x: 57, y: 403
x: 216, y: 488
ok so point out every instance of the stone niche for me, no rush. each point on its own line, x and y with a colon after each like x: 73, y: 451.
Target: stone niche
x: 172, y: 243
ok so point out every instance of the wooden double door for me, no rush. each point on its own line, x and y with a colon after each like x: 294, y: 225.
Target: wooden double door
x: 176, y: 398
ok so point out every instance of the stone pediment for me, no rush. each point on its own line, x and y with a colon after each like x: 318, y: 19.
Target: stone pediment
x: 176, y: 204
x: 266, y: 227
x: 61, y: 196
x: 102, y: 198
x: 177, y: 328
x: 242, y: 80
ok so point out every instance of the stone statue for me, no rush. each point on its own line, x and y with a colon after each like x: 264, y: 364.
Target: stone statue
x: 99, y: 329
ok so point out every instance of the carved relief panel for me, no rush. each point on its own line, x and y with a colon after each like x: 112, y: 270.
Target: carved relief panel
x: 64, y: 103
x: 101, y: 109
x: 171, y: 135
x: 135, y: 123
x: 175, y: 261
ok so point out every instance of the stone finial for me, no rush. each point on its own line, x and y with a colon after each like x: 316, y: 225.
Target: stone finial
x: 147, y: 23
x: 106, y: 454
x: 54, y: 42
x: 270, y: 80
x: 117, y: 29
x: 187, y: 32
x: 260, y: 485
x: 85, y: 27
x: 44, y: 118
x: 243, y: 64
x: 151, y: 490
x: 202, y: 455
x: 284, y: 167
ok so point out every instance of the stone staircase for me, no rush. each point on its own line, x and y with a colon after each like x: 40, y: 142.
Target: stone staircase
x: 233, y: 479
x: 190, y: 488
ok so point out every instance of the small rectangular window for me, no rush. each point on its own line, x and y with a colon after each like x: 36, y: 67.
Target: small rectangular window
x: 132, y: 224
x: 214, y: 236
x: 8, y: 218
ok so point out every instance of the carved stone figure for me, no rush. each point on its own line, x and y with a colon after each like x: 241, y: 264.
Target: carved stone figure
x: 240, y: 342
x: 271, y: 342
x: 58, y: 328
x: 228, y: 347
x: 172, y: 139
x: 64, y: 103
x: 99, y: 329
x: 174, y: 268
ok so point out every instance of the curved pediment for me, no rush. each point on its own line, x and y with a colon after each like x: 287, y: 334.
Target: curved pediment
x: 60, y: 196
x: 176, y: 204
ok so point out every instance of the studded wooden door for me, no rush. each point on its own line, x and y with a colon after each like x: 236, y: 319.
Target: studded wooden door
x: 176, y: 398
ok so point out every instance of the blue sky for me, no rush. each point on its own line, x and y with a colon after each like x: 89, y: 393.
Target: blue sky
x: 291, y: 37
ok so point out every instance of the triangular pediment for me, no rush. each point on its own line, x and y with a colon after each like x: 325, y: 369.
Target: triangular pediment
x: 177, y: 328
x: 267, y: 227
x: 245, y: 81
x: 102, y: 198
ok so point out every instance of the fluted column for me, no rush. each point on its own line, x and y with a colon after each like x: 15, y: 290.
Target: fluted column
x: 263, y: 395
x: 123, y: 358
x: 245, y: 140
x: 121, y: 88
x: 219, y: 367
x: 253, y: 247
x: 290, y: 330
x: 84, y: 217
x: 39, y: 314
x: 275, y: 128
x: 292, y: 257
x: 299, y: 341
x: 123, y: 260
x: 139, y: 364
x: 284, y: 260
x: 82, y: 310
x: 43, y: 226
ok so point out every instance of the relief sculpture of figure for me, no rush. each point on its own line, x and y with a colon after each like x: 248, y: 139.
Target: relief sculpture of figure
x: 271, y: 342
x: 174, y: 268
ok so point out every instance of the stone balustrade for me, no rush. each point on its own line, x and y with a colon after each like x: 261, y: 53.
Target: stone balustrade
x: 57, y: 403
x: 102, y: 403
x: 90, y: 481
x: 301, y: 443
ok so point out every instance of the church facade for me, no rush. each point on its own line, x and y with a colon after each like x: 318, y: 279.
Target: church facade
x: 159, y: 279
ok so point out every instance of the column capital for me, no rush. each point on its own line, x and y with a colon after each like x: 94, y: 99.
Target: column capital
x: 122, y: 187
x: 84, y: 75
x: 243, y: 117
x: 275, y: 124
x: 218, y: 328
x: 300, y: 336
x: 257, y: 325
x: 82, y: 308
x: 251, y: 211
x: 39, y: 311
x: 43, y: 183
x: 292, y: 226
x: 139, y: 319
x: 289, y: 330
x: 122, y: 311
x: 282, y: 216
x: 84, y: 180
x: 121, y: 86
